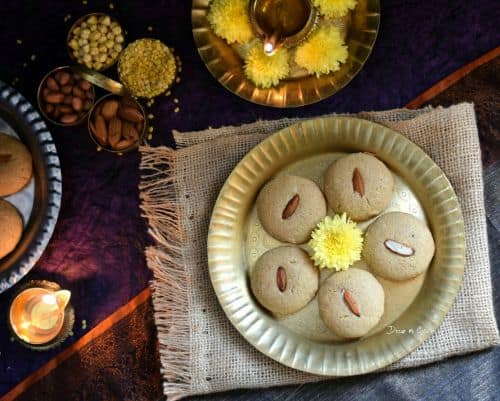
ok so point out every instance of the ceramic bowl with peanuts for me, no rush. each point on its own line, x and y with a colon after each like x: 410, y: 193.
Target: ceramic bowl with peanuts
x: 117, y: 124
x: 65, y: 98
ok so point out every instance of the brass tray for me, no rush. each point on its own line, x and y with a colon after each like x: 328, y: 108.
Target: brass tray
x: 301, y: 341
x: 226, y: 66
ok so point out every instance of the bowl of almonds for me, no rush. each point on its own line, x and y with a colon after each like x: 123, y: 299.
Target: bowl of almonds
x: 64, y: 97
x: 117, y: 124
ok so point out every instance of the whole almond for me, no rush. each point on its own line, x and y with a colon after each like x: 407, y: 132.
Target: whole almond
x: 65, y: 108
x: 68, y: 118
x: 77, y: 103
x: 54, y: 97
x: 87, y: 104
x: 5, y: 157
x: 291, y: 207
x: 62, y: 77
x: 66, y: 89
x: 109, y: 109
x: 128, y: 102
x: 351, y: 303
x: 124, y: 144
x: 281, y: 279
x: 85, y: 85
x: 358, y: 183
x: 114, y: 131
x: 130, y: 114
x: 78, y: 92
x: 49, y: 108
x: 52, y: 84
x: 101, y: 131
x: 129, y: 131
x: 139, y: 127
x: 399, y: 248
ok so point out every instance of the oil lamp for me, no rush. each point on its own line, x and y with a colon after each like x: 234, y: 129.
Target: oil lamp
x: 282, y: 22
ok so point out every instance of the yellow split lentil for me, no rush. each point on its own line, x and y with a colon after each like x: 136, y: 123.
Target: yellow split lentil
x: 147, y: 67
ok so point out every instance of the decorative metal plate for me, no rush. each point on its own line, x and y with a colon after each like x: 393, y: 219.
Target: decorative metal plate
x: 18, y: 114
x: 236, y: 240
x: 226, y: 65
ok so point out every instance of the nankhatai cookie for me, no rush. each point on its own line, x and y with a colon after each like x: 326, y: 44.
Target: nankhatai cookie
x: 16, y: 166
x: 398, y: 246
x: 289, y: 207
x: 351, y: 302
x: 11, y: 228
x: 284, y: 280
x: 358, y: 184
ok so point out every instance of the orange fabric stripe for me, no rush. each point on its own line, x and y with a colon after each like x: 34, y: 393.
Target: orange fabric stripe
x: 103, y: 326
x: 452, y: 79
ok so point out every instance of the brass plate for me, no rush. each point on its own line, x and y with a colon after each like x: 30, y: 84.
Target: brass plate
x: 226, y: 66
x: 236, y: 240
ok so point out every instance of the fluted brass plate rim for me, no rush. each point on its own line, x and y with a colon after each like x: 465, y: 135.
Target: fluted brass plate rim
x: 228, y: 264
x: 227, y: 67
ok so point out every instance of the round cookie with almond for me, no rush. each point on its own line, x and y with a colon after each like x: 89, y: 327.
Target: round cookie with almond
x: 289, y: 208
x: 16, y: 165
x: 351, y: 302
x: 358, y: 184
x: 284, y: 280
x: 11, y: 228
x: 398, y: 246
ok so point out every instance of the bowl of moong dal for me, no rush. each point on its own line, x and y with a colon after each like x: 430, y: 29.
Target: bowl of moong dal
x: 147, y: 68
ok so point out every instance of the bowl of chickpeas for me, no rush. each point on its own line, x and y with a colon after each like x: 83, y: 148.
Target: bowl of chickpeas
x: 96, y: 41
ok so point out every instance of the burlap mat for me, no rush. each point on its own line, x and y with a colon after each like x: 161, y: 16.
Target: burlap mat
x: 200, y: 351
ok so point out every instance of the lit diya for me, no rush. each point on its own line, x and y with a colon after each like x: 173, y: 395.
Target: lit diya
x: 40, y: 315
x: 282, y: 22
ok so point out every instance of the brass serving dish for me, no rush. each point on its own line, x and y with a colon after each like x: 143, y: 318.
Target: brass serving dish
x: 301, y: 341
x: 226, y: 65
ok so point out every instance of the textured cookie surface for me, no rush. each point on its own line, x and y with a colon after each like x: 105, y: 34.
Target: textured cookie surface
x: 351, y: 302
x: 284, y: 280
x: 398, y: 246
x: 359, y: 185
x: 11, y: 228
x: 289, y: 207
x: 16, y: 166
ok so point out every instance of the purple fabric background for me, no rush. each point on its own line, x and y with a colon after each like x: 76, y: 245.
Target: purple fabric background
x: 97, y: 248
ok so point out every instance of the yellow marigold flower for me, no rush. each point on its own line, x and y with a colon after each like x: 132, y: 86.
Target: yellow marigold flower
x: 335, y: 8
x: 323, y: 52
x: 336, y: 243
x: 266, y: 71
x: 230, y: 20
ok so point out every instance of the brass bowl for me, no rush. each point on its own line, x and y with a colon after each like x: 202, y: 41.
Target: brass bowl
x: 78, y: 22
x: 106, y: 148
x: 225, y: 64
x: 42, y: 111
